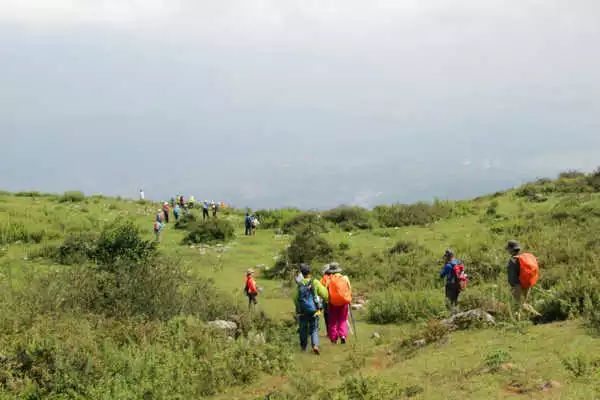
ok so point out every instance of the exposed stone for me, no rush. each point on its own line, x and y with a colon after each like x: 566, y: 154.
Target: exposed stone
x: 469, y: 318
x: 223, y: 325
x: 375, y: 335
x: 357, y: 307
x: 420, y: 343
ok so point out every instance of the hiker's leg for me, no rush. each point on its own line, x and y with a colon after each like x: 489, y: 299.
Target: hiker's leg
x: 343, y: 322
x: 314, y: 331
x: 303, y: 326
x: 333, y: 314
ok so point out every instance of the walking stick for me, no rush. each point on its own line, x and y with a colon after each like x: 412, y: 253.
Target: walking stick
x: 353, y: 322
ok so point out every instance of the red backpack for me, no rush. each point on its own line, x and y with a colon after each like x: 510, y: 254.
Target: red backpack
x: 340, y: 292
x: 459, y: 273
x: 529, y: 270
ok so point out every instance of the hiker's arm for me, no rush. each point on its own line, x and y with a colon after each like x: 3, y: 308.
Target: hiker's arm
x: 322, y: 291
x: 445, y: 271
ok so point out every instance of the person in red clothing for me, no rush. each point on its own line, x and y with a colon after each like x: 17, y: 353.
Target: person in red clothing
x: 166, y: 209
x: 250, y: 289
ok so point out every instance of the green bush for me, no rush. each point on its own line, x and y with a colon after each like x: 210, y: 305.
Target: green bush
x: 71, y: 197
x: 349, y: 218
x: 301, y: 221
x: 122, y: 242
x: 494, y: 359
x: 186, y: 222
x: 210, y: 231
x: 394, y: 306
x: 421, y: 213
x: 274, y: 219
x: 76, y: 249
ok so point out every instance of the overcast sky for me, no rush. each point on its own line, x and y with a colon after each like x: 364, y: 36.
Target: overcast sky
x: 268, y: 103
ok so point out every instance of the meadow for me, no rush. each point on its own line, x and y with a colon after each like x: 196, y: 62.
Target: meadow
x: 92, y: 308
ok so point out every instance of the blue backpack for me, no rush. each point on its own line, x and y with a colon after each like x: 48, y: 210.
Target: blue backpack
x: 307, y: 300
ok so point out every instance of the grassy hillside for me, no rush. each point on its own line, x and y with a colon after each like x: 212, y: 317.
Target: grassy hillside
x: 90, y: 307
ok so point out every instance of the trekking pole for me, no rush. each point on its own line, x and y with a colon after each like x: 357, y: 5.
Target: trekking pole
x: 353, y: 322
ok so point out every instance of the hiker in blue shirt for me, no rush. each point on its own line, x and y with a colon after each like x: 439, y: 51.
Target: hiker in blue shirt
x: 248, y: 224
x: 449, y: 271
x: 176, y: 212
x: 205, y: 209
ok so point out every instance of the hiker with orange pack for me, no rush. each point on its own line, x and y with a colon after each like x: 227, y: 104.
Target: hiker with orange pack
x: 250, y: 288
x: 338, y: 306
x: 523, y: 273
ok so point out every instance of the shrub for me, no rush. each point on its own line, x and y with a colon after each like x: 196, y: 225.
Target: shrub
x: 303, y: 220
x: 76, y: 249
x: 403, y: 246
x: 71, y: 197
x: 186, y: 221
x: 210, y: 231
x: 122, y: 242
x: 593, y: 180
x: 274, y: 219
x: 414, y: 214
x: 29, y: 194
x: 571, y: 174
x: 392, y: 305
x: 349, y: 218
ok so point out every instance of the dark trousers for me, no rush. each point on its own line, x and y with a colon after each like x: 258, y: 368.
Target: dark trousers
x: 452, y: 292
x: 252, y: 299
x: 308, y: 326
x: 204, y: 213
x: 248, y: 230
x: 166, y: 216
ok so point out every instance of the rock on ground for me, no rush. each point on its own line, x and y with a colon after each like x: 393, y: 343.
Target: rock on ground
x: 223, y: 325
x: 469, y: 318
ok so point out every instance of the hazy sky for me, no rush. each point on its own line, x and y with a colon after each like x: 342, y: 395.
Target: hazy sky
x: 318, y: 103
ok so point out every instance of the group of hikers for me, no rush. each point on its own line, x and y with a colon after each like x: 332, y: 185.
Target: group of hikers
x: 331, y: 296
x: 251, y: 222
x: 178, y: 205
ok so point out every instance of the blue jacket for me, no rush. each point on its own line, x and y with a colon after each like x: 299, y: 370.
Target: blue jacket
x: 448, y: 270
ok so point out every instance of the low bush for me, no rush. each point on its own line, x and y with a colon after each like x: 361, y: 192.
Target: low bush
x: 186, y: 222
x: 274, y: 219
x: 421, y: 213
x: 76, y: 249
x: 121, y: 242
x: 210, y: 231
x: 12, y: 232
x: 71, y: 197
x: 495, y: 359
x: 303, y: 220
x: 393, y: 306
x: 349, y: 218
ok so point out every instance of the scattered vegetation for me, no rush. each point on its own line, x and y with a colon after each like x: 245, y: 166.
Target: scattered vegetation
x: 210, y: 231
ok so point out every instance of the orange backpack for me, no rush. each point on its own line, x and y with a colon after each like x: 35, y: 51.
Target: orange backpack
x: 529, y: 270
x: 340, y: 292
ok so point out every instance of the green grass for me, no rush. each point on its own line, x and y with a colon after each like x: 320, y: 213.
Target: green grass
x: 452, y: 369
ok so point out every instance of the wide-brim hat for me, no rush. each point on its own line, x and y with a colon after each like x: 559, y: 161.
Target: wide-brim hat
x: 334, y: 268
x: 513, y: 245
x: 249, y: 271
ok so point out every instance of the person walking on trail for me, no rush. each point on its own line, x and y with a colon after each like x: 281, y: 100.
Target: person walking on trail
x: 213, y: 206
x: 176, y: 212
x: 522, y: 273
x: 250, y: 288
x: 191, y: 202
x: 166, y: 209
x: 308, y: 301
x: 205, y: 209
x: 160, y: 216
x: 248, y: 224
x: 338, y: 304
x: 325, y: 282
x: 254, y: 224
x: 454, y: 272
x: 158, y: 226
x: 142, y: 196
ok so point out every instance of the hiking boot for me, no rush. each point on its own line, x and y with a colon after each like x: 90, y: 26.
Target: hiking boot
x: 316, y: 350
x: 343, y: 339
x: 333, y: 341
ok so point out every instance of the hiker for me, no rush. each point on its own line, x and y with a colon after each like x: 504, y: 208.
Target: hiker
x: 182, y: 201
x: 325, y: 282
x: 205, y: 209
x: 338, y: 305
x: 191, y: 202
x: 176, y: 212
x: 160, y: 216
x: 158, y: 226
x: 173, y: 202
x: 248, y: 224
x: 250, y: 289
x: 456, y: 279
x: 213, y: 206
x: 142, y: 196
x: 308, y: 308
x: 523, y: 273
x: 254, y: 224
x: 166, y: 209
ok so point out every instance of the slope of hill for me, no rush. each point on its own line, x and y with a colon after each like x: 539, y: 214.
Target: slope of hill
x: 91, y: 307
